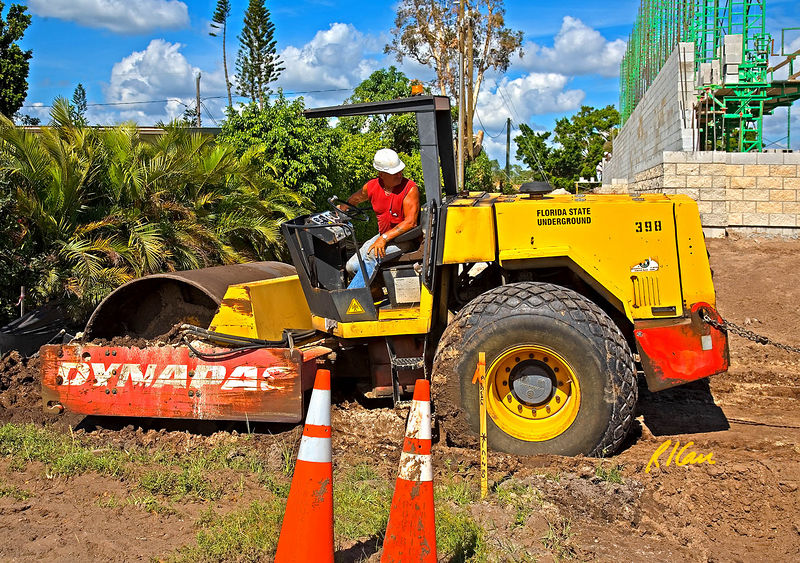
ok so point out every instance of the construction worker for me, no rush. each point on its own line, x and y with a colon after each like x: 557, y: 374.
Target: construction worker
x: 395, y: 201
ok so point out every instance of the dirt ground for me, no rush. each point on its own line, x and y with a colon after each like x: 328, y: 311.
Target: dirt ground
x: 744, y: 507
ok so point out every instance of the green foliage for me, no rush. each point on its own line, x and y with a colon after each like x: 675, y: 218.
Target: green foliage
x: 458, y: 536
x: 78, y: 106
x: 14, y: 64
x: 578, y: 145
x: 611, y: 474
x: 398, y: 132
x: 297, y: 150
x: 190, y: 482
x: 97, y: 208
x: 12, y: 491
x: 257, y: 63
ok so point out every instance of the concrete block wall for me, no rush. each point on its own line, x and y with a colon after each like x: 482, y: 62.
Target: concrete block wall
x: 745, y: 193
x: 662, y: 121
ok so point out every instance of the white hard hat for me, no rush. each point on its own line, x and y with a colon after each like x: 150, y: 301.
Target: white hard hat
x: 386, y: 160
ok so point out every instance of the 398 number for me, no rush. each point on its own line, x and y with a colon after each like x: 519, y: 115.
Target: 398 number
x: 647, y: 226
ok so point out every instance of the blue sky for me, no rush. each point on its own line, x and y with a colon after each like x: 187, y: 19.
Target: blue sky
x: 134, y: 51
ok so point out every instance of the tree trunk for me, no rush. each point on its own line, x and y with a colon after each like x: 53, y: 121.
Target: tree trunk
x: 468, y: 97
x: 225, y: 63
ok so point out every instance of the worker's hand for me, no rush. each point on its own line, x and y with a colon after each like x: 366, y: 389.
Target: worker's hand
x: 379, y: 246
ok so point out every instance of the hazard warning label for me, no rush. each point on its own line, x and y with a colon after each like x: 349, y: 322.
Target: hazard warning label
x: 355, y: 308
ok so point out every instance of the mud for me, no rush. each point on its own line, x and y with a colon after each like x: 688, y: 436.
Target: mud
x: 743, y: 507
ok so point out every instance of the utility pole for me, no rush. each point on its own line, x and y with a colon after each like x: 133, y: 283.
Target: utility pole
x: 197, y: 83
x: 508, y: 149
x: 461, y: 115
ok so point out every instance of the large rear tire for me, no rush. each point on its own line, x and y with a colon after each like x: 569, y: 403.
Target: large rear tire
x: 561, y: 377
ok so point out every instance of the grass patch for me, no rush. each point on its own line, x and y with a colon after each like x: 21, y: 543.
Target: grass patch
x: 557, y: 540
x: 611, y: 474
x: 361, y: 503
x: 188, y: 483
x: 245, y: 535
x: 523, y: 499
x: 459, y: 492
x: 61, y: 454
x: 458, y: 536
x: 12, y: 491
x: 151, y: 504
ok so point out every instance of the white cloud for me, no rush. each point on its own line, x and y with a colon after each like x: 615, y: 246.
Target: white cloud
x: 577, y: 49
x: 339, y: 57
x: 120, y: 16
x: 160, y: 72
x: 524, y: 97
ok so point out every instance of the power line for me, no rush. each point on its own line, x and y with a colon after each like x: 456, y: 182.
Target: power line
x: 181, y: 102
x: 503, y: 130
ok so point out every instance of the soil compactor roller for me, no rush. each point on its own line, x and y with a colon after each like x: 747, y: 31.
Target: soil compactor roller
x: 557, y: 290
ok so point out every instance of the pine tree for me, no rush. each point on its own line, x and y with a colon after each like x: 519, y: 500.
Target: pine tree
x: 220, y: 21
x: 78, y: 106
x: 257, y: 63
x: 13, y: 60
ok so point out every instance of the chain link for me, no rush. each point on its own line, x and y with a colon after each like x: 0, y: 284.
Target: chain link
x: 728, y: 326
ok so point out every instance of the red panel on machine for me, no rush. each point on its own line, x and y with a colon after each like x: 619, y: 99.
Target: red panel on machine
x: 170, y: 382
x: 677, y: 351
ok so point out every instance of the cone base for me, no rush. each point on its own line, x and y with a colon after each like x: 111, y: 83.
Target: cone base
x: 411, y: 532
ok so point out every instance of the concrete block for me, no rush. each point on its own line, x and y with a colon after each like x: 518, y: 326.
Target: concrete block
x: 715, y: 169
x: 714, y: 232
x: 720, y: 181
x: 791, y: 158
x: 769, y: 207
x: 705, y: 206
x: 792, y: 207
x: 756, y: 170
x: 713, y: 194
x: 714, y: 219
x: 693, y: 193
x: 674, y: 157
x: 784, y: 170
x: 734, y: 170
x: 674, y: 181
x: 668, y: 169
x: 770, y: 158
x: 734, y: 194
x: 698, y: 181
x: 782, y: 220
x: 719, y: 157
x: 755, y: 219
x: 742, y: 206
x: 734, y: 218
x: 771, y: 182
x: 700, y: 156
x: 687, y: 169
x: 783, y: 195
x: 719, y: 206
x: 742, y: 158
x: 756, y: 195
x: 743, y: 182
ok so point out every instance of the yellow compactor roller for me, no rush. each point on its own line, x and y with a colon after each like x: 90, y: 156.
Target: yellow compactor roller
x: 566, y: 294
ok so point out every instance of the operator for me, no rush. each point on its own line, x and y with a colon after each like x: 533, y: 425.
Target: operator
x: 395, y: 201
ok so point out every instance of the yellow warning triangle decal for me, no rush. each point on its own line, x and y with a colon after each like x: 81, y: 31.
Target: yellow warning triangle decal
x: 355, y: 308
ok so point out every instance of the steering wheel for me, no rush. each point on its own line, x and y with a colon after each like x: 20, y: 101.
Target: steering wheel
x: 352, y: 212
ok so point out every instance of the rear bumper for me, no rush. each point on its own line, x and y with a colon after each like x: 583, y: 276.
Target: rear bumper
x: 170, y: 382
x: 677, y: 351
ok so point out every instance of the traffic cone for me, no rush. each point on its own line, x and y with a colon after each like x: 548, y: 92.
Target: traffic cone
x: 307, y: 531
x: 411, y: 531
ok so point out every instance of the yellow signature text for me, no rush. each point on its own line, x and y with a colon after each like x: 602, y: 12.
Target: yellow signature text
x: 682, y: 458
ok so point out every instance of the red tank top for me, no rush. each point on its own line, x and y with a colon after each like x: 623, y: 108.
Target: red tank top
x: 388, y: 207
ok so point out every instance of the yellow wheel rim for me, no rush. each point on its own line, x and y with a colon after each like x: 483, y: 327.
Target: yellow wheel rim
x: 533, y: 393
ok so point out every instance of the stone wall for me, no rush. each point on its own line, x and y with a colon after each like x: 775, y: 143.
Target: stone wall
x: 748, y: 193
x: 661, y: 121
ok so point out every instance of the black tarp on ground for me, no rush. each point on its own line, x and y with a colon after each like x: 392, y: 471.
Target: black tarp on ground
x: 31, y: 331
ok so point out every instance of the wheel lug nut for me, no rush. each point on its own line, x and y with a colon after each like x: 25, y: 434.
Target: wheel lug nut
x: 530, y: 356
x: 505, y: 383
x: 545, y: 359
x: 508, y: 370
x: 516, y: 359
x: 519, y: 408
x: 509, y: 398
x: 558, y: 399
x: 547, y: 408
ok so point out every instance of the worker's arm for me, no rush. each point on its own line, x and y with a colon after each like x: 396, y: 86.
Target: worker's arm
x: 410, y: 215
x: 359, y: 197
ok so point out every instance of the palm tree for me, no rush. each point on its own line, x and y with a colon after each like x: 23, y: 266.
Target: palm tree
x: 106, y: 206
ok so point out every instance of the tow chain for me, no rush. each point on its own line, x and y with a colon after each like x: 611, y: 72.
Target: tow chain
x: 728, y: 326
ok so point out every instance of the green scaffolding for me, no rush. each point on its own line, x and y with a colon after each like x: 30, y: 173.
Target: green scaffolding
x: 735, y: 89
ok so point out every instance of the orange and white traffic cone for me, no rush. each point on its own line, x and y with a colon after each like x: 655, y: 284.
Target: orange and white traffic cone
x: 307, y: 531
x: 411, y: 531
